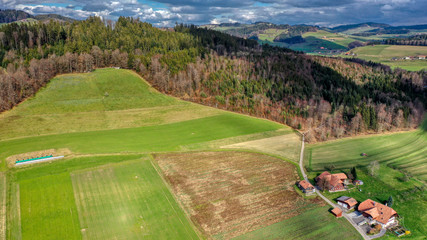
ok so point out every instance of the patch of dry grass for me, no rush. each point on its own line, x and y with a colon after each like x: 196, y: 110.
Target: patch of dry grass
x: 228, y: 194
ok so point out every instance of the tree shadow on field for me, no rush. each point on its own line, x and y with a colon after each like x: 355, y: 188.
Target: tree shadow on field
x: 424, y: 124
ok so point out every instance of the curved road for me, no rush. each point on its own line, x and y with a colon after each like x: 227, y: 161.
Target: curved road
x: 364, y: 235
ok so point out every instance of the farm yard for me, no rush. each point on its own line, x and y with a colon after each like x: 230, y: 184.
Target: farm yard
x: 401, y: 172
x: 108, y: 185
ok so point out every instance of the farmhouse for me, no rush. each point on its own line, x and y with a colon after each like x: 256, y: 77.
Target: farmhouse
x: 346, y: 202
x: 332, y: 182
x: 421, y: 57
x: 306, y: 187
x: 378, y: 213
x: 337, y: 212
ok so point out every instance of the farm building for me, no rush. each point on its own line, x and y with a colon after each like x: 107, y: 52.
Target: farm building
x: 337, y: 212
x: 347, y: 202
x: 306, y: 187
x: 332, y: 182
x: 378, y: 213
x: 421, y: 57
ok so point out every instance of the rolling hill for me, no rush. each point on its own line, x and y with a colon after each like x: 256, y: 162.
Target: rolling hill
x: 8, y: 16
x: 124, y: 145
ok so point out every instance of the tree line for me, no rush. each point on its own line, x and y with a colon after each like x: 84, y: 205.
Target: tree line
x: 328, y: 98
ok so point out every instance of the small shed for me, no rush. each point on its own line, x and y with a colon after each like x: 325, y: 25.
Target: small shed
x: 358, y: 182
x: 337, y: 212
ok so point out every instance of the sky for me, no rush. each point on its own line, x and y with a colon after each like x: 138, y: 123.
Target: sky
x: 168, y: 12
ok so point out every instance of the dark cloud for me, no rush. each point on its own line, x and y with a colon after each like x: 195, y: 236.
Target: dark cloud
x: 167, y: 12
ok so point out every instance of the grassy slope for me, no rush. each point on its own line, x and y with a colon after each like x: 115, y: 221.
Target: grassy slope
x: 384, y: 54
x: 104, y: 99
x: 405, y: 151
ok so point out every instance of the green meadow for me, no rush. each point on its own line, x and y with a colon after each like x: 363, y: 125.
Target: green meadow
x: 405, y: 152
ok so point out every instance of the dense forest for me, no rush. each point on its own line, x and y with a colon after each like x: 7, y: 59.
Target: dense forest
x: 327, y: 98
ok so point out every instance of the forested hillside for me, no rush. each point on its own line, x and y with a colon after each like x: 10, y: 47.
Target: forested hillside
x: 417, y: 40
x: 329, y: 98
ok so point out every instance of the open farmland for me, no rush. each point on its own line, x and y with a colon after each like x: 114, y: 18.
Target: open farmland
x: 229, y: 194
x: 124, y: 199
x: 384, y: 53
x: 107, y: 187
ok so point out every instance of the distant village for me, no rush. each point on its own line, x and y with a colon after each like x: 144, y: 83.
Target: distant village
x: 418, y: 57
x: 372, y: 217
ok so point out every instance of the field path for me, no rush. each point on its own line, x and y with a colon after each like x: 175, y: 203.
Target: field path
x: 364, y: 235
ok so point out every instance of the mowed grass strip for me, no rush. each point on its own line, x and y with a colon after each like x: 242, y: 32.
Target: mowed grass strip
x: 103, y: 99
x: 128, y: 201
x: 48, y: 209
x: 287, y: 145
x: 168, y: 137
x: 228, y: 194
x: 3, y: 188
x: 317, y: 223
x: 404, y: 151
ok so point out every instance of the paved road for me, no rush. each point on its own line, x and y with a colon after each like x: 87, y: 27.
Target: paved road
x: 364, y: 235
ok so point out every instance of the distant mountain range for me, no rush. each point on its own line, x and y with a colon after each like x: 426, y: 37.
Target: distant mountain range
x: 9, y: 15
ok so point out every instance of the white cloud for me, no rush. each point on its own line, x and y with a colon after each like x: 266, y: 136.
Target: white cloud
x: 164, y: 12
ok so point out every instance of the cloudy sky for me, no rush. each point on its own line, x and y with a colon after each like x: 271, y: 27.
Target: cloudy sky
x: 167, y: 12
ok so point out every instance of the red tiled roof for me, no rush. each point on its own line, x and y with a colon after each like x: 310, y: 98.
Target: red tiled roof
x: 341, y: 176
x: 377, y: 211
x: 304, y: 184
x: 336, y: 211
x: 351, y: 202
x: 348, y: 200
x: 326, y: 173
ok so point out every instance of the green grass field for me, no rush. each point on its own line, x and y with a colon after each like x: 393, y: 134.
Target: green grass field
x: 113, y: 197
x: 384, y: 53
x: 340, y: 39
x: 403, y: 151
x: 104, y: 99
